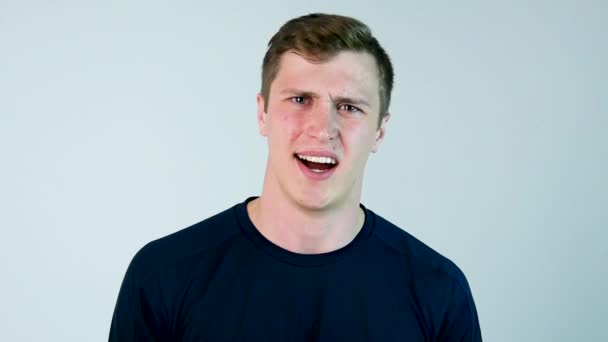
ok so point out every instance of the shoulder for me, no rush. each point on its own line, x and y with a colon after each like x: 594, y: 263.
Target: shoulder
x: 159, y: 272
x: 436, y: 280
x: 431, y: 274
x: 424, y: 262
x: 186, y: 244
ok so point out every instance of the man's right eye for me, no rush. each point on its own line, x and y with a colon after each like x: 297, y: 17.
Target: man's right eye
x: 298, y: 100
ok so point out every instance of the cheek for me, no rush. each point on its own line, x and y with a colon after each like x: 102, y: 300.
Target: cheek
x: 287, y: 125
x: 361, y: 141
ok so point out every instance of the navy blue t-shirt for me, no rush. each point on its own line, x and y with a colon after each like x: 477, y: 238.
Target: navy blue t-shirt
x: 222, y: 280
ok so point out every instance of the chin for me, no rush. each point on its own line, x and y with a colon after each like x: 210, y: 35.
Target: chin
x: 315, y: 202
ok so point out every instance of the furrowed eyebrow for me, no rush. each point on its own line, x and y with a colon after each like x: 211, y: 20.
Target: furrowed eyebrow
x: 298, y: 92
x: 351, y: 100
x: 337, y: 99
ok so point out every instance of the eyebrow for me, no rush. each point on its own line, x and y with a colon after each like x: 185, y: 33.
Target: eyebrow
x: 353, y: 100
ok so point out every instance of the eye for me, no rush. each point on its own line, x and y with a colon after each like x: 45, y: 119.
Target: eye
x: 349, y: 108
x: 299, y: 100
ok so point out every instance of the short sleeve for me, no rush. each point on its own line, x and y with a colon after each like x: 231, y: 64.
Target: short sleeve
x: 460, y: 322
x: 139, y: 314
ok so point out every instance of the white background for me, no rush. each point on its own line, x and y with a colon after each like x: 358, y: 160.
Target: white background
x: 124, y: 121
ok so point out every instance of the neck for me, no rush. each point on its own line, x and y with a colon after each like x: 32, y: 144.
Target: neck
x: 304, y: 230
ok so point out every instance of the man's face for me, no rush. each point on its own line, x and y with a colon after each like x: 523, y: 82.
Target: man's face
x: 321, y: 123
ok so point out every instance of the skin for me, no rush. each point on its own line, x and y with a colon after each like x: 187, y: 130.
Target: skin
x: 322, y: 106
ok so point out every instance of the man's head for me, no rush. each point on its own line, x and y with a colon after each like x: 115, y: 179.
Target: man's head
x: 323, y: 109
x: 317, y: 38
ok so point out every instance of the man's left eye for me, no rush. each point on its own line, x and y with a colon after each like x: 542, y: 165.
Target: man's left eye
x: 349, y: 108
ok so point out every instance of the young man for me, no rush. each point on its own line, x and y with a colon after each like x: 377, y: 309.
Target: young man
x: 304, y: 261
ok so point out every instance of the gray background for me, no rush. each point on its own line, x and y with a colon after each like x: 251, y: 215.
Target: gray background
x: 124, y: 121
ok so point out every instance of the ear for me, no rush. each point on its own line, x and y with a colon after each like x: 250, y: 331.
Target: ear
x: 262, y: 116
x: 381, y: 132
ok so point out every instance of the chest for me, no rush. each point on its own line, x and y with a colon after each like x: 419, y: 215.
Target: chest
x: 270, y: 302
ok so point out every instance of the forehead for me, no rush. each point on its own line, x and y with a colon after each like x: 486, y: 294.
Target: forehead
x: 346, y: 73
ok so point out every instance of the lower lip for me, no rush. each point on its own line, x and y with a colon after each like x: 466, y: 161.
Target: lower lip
x: 318, y: 176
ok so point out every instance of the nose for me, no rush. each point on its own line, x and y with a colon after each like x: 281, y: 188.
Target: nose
x: 323, y: 122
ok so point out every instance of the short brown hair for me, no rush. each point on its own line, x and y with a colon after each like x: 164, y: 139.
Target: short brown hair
x: 319, y: 37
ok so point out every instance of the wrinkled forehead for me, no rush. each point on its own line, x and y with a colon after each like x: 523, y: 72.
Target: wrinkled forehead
x: 347, y: 73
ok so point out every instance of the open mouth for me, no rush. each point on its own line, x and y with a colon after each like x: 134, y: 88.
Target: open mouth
x: 317, y: 164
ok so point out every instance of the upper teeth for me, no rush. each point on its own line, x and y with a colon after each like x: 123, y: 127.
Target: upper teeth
x: 314, y: 159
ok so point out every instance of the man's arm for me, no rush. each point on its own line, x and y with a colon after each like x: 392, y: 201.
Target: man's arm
x: 138, y: 315
x: 460, y: 322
